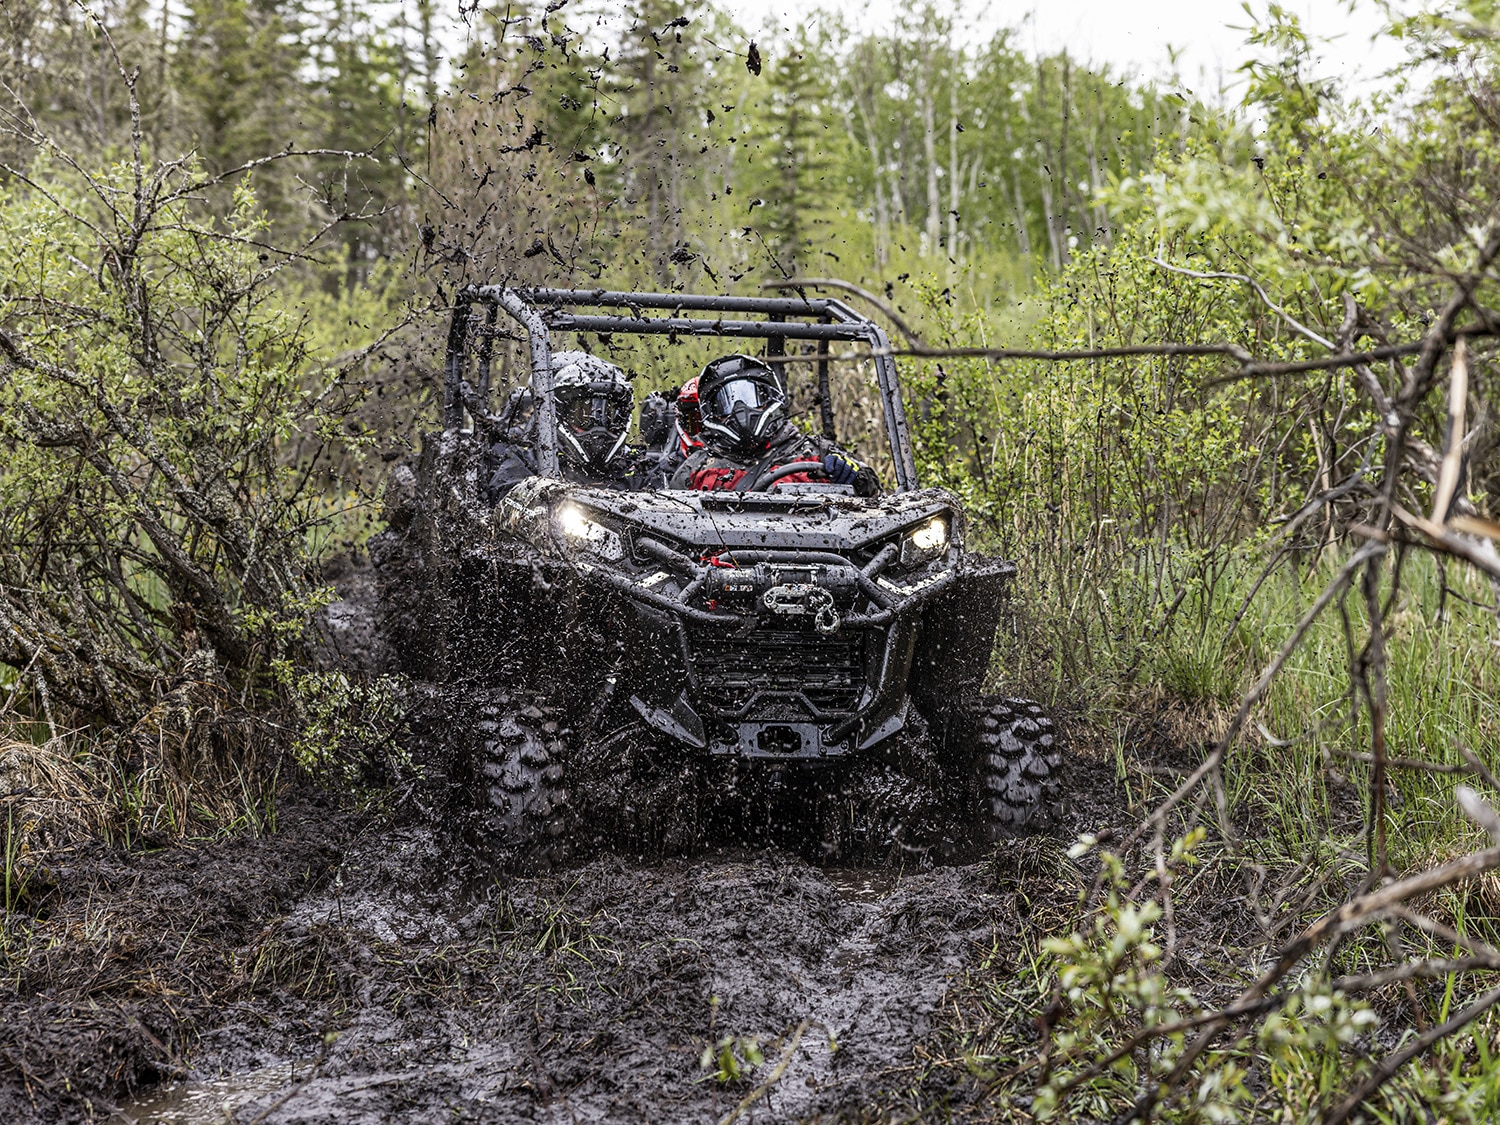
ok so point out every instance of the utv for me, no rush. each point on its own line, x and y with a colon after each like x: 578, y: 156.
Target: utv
x: 606, y: 661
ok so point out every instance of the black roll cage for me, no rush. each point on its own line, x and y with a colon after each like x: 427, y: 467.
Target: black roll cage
x: 543, y: 311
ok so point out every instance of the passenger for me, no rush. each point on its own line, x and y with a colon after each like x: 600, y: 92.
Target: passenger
x: 594, y: 401
x: 748, y: 435
x: 687, y: 428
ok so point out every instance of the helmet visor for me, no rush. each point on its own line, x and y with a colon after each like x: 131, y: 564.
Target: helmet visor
x: 752, y: 393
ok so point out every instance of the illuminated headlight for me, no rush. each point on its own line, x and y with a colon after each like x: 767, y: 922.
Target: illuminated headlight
x: 926, y: 542
x: 587, y: 533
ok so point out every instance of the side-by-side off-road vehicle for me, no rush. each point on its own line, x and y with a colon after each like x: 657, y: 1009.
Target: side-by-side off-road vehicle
x: 606, y: 660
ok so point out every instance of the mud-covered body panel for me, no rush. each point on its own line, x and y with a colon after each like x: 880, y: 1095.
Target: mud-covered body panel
x: 681, y: 635
x: 762, y: 626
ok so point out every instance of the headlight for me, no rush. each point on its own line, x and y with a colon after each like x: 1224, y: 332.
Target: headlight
x: 587, y: 533
x: 926, y: 542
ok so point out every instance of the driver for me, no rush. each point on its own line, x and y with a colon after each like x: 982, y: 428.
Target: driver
x: 748, y: 434
x: 594, y: 400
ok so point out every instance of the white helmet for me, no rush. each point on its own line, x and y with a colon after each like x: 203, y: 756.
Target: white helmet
x: 594, y: 401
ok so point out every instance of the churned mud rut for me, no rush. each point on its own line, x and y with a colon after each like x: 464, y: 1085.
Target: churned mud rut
x: 349, y: 969
x: 588, y: 995
x: 358, y: 969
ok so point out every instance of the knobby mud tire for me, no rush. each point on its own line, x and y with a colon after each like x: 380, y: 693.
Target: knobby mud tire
x: 1018, y: 767
x: 516, y: 780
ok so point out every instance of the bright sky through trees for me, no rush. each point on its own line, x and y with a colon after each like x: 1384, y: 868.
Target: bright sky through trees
x: 1132, y: 36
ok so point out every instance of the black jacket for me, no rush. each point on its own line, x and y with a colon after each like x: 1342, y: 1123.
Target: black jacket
x: 511, y: 462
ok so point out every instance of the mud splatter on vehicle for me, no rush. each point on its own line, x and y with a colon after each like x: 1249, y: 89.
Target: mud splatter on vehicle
x: 615, y: 665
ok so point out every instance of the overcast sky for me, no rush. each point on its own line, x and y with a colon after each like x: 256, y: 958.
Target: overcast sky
x: 1132, y: 36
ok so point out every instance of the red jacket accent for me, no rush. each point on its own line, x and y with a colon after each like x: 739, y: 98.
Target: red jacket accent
x: 724, y: 478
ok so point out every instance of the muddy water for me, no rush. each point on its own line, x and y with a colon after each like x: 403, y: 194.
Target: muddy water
x: 211, y: 1102
x: 591, y: 995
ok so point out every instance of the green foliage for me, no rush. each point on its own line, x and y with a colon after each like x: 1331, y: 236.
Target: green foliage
x: 348, y: 733
x: 732, y: 1057
x: 794, y: 154
x: 152, y: 383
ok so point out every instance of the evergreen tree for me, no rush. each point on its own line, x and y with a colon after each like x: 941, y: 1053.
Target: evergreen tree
x: 362, y: 109
x: 657, y: 82
x: 239, y: 70
x: 797, y: 150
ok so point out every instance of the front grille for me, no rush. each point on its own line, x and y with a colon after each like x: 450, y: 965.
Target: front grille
x: 828, y: 671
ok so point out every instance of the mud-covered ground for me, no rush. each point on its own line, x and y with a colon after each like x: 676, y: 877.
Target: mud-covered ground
x: 342, y: 969
x: 352, y: 967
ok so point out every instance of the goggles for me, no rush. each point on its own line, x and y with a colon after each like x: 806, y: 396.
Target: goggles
x: 753, y: 391
x: 606, y: 405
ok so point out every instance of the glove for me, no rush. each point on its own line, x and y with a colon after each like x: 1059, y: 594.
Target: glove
x: 656, y: 421
x: 841, y: 468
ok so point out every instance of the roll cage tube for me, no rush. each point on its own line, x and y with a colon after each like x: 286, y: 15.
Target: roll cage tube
x: 542, y: 311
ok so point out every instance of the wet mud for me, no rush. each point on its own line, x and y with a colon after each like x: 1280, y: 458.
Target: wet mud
x: 346, y: 969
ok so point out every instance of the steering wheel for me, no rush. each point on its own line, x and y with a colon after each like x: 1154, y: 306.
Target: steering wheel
x: 782, y: 471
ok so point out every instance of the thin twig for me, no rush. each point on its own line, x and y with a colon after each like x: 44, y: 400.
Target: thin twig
x: 1291, y: 322
x: 1392, y: 1063
x: 771, y: 1079
x: 849, y: 287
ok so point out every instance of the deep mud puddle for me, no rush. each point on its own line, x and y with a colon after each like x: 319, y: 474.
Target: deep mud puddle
x: 208, y: 1103
x: 615, y: 991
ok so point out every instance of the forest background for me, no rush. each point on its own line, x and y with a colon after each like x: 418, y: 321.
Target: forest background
x: 228, y: 232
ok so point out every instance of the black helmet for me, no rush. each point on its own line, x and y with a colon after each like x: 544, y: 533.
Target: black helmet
x: 742, y: 403
x: 594, y: 402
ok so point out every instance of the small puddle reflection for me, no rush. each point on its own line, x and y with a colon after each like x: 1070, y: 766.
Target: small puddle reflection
x: 855, y: 884
x: 208, y: 1103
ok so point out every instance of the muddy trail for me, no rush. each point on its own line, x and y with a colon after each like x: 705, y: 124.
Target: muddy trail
x: 345, y: 968
x: 357, y: 968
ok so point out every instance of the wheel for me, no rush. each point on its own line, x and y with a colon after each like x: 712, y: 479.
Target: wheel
x: 1017, y: 767
x: 515, y: 779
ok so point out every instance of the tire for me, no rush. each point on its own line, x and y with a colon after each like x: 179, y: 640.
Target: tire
x: 1017, y: 767
x: 515, y: 779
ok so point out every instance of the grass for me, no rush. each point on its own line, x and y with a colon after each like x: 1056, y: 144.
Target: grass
x: 1444, y: 692
x: 1297, y: 786
x: 1299, y: 763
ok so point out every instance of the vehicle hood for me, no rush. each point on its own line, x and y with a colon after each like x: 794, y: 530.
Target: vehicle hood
x: 726, y: 520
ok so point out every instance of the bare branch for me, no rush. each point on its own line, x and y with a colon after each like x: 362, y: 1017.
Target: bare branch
x: 1291, y: 322
x: 849, y: 287
x: 1458, y: 394
x: 1479, y: 811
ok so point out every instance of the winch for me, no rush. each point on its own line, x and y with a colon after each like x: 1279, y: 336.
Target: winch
x: 834, y: 585
x: 803, y: 599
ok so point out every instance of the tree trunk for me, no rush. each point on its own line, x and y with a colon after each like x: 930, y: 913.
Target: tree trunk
x: 953, y: 249
x: 929, y: 151
x: 1063, y: 208
x: 882, y: 217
